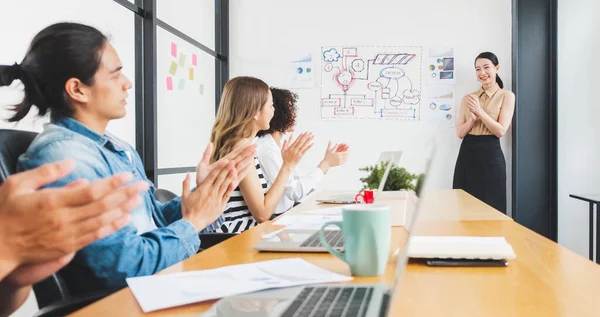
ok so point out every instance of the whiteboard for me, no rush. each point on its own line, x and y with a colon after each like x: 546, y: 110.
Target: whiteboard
x: 371, y: 82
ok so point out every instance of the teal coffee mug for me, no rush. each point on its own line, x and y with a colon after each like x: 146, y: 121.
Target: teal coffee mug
x: 367, y: 231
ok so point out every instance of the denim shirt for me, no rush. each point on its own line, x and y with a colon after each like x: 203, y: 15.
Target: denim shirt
x: 157, y: 236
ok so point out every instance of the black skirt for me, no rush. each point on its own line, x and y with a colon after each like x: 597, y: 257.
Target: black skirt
x: 481, y: 170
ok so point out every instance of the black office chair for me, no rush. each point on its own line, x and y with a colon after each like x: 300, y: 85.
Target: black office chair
x: 163, y: 195
x: 13, y: 143
x: 52, y: 294
x: 207, y: 240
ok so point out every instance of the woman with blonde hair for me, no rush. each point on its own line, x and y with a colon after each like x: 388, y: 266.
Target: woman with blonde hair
x: 246, y: 107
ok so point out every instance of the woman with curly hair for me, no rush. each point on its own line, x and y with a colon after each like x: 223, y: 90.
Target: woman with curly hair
x: 270, y: 153
x: 246, y: 107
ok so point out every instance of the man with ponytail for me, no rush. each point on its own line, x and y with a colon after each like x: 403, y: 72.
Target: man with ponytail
x: 484, y: 118
x: 73, y: 73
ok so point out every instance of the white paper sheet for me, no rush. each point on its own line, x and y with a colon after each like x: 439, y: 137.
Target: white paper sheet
x: 170, y: 290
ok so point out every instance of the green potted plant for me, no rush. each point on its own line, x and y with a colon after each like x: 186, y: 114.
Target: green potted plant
x: 398, y: 179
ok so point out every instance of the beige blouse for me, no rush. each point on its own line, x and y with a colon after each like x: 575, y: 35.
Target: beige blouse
x: 491, y: 102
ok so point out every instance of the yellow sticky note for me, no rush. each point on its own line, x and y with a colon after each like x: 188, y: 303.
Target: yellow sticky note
x: 191, y: 73
x: 173, y: 69
x: 181, y: 59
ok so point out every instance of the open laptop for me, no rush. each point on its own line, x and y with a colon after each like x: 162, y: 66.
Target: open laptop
x: 391, y: 157
x: 307, y: 240
x: 300, y: 240
x: 321, y: 300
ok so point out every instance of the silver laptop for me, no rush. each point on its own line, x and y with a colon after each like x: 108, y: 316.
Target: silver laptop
x: 300, y: 240
x: 307, y: 240
x: 391, y: 157
x: 321, y: 300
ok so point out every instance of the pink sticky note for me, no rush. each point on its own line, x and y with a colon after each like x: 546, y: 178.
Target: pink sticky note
x: 173, y: 50
x: 169, y: 83
x: 194, y: 60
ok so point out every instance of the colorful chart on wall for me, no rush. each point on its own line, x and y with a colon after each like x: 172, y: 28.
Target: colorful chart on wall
x: 439, y: 108
x: 371, y: 82
x: 300, y: 70
x: 440, y: 66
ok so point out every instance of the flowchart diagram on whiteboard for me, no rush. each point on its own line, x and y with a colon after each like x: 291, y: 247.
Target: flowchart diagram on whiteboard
x: 371, y: 82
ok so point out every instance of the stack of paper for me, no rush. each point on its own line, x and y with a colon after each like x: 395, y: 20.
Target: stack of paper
x: 449, y: 247
x: 170, y: 290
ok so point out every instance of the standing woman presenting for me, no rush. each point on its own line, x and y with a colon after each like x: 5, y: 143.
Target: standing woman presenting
x: 484, y: 118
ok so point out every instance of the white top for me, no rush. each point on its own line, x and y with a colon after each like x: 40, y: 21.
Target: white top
x: 298, y: 185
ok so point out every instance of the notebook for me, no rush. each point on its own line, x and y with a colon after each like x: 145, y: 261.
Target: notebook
x: 454, y: 247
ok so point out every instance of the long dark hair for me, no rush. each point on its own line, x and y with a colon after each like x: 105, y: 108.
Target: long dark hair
x: 56, y: 54
x: 284, y: 118
x: 494, y: 59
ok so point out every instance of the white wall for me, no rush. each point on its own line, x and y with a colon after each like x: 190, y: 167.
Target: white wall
x: 578, y: 115
x: 262, y: 33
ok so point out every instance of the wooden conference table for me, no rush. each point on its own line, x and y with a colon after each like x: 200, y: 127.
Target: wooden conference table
x: 545, y: 279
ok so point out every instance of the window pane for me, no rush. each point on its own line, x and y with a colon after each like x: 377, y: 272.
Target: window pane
x: 195, y: 18
x: 120, y: 29
x: 173, y: 182
x: 186, y: 100
x: 108, y: 16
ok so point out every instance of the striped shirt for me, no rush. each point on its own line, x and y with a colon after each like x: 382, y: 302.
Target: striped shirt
x: 236, y: 215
